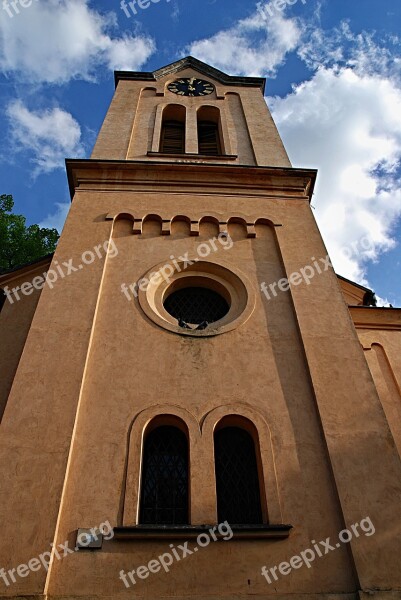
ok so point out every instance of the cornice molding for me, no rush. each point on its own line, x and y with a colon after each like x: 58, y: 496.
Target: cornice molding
x: 194, y: 63
x: 371, y: 317
x: 278, y: 182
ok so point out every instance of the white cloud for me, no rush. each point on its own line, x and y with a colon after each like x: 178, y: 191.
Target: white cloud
x: 345, y: 121
x: 342, y: 47
x: 348, y: 126
x: 175, y: 13
x: 57, y: 219
x: 48, y: 136
x: 255, y: 46
x: 128, y: 54
x: 55, y: 41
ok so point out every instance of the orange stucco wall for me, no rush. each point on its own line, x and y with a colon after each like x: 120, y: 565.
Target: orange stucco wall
x: 15, y: 320
x: 127, y: 131
x: 96, y: 369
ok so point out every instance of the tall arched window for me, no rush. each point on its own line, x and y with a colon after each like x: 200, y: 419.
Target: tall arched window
x: 164, y: 490
x: 173, y: 130
x: 209, y: 131
x: 237, y: 478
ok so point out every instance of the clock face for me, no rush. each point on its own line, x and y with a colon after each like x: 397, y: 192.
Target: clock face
x: 191, y: 87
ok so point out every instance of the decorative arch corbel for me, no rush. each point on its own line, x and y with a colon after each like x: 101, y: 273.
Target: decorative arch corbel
x: 121, y: 214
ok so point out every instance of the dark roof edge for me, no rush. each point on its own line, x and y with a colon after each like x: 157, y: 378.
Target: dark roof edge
x: 386, y: 308
x: 362, y: 287
x: 190, y: 61
x: 28, y: 264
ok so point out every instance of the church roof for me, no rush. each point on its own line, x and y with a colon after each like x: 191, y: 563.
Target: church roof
x: 198, y: 65
x: 43, y: 259
x: 358, y: 285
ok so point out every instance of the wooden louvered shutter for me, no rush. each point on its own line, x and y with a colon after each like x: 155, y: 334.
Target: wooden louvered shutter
x: 173, y: 137
x: 208, y: 138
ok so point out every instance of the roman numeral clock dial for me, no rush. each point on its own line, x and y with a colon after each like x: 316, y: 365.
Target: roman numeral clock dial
x: 191, y: 87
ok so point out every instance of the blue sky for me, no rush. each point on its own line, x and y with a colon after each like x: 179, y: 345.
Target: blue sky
x: 333, y: 70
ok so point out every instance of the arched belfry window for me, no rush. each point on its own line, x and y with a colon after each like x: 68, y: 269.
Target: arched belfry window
x: 165, y: 481
x: 237, y: 478
x: 173, y: 130
x: 209, y: 139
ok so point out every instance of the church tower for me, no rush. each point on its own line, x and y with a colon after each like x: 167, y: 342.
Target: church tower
x: 191, y: 413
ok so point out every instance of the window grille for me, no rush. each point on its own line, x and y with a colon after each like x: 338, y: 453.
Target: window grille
x: 237, y: 480
x: 196, y: 305
x: 164, y: 498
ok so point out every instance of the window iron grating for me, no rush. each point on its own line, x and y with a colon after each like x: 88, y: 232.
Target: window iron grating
x: 237, y: 479
x: 196, y: 304
x: 164, y: 499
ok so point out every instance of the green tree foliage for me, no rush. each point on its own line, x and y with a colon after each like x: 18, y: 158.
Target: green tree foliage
x: 20, y: 244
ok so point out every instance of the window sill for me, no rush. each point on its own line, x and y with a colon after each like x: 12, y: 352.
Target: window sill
x: 159, y: 532
x: 193, y: 156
